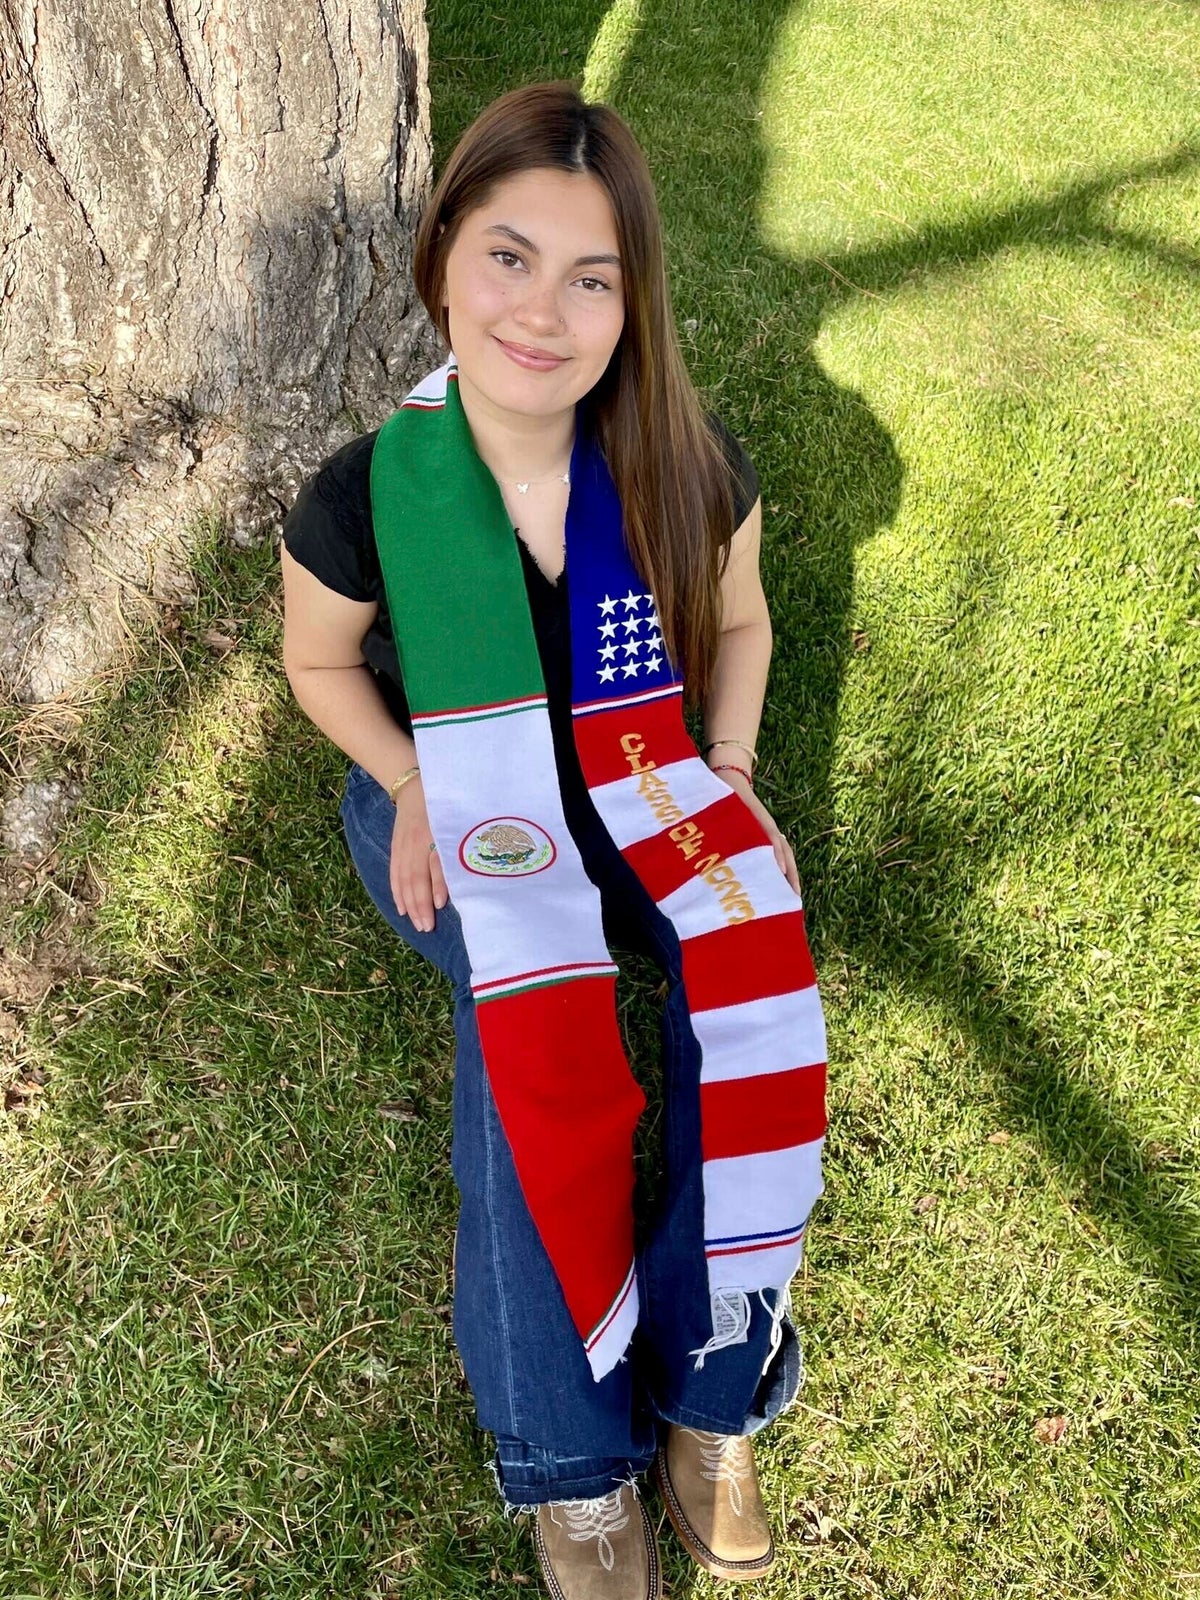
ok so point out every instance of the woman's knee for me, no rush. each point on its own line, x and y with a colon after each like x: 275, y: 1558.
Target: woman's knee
x: 443, y: 945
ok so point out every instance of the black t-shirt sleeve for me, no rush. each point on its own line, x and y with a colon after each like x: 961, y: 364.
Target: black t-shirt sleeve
x: 328, y: 529
x: 746, y: 486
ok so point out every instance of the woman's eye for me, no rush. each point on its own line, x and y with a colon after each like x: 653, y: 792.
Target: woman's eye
x: 513, y: 256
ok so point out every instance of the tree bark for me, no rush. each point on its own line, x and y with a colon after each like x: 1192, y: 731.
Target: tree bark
x: 206, y: 216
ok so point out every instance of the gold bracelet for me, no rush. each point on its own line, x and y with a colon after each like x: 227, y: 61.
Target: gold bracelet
x: 751, y: 753
x: 400, y: 781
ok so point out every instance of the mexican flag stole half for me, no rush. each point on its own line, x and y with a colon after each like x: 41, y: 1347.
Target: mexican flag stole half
x: 542, y: 977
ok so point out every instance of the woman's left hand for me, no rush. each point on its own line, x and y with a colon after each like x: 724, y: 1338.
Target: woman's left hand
x: 784, y: 854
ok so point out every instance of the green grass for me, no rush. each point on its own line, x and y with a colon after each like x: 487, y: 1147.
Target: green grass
x: 943, y: 268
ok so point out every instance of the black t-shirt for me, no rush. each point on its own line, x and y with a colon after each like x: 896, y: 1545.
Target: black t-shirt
x: 329, y: 531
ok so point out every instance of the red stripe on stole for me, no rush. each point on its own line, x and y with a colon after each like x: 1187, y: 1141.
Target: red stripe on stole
x: 655, y: 729
x: 570, y: 1131
x: 725, y: 827
x: 747, y: 961
x: 768, y: 1111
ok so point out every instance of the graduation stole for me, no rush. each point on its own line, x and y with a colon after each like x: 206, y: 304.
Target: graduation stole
x: 542, y: 977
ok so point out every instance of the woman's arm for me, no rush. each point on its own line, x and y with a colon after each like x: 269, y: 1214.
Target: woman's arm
x: 329, y: 676
x: 322, y: 657
x: 735, y: 701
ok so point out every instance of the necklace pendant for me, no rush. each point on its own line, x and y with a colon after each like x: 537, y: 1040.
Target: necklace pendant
x: 523, y: 488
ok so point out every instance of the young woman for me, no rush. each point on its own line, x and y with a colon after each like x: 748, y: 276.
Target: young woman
x: 496, y: 605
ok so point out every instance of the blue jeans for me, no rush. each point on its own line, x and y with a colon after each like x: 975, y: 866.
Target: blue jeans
x: 559, y: 1434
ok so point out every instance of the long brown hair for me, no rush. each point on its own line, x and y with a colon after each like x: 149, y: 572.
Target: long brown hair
x: 668, y: 468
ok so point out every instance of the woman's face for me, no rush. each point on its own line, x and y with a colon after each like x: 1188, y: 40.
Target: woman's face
x: 538, y: 291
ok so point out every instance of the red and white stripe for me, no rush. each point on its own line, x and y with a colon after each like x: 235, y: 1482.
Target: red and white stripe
x: 750, y: 984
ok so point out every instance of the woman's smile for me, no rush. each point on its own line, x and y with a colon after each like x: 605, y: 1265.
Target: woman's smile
x: 535, y: 360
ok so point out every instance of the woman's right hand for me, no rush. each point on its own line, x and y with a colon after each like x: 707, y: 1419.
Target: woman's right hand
x: 415, y: 872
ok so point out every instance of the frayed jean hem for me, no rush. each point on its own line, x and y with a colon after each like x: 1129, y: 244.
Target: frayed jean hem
x: 777, y: 1393
x: 526, y: 1484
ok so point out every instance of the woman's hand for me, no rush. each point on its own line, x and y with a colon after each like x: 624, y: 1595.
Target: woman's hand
x: 415, y: 873
x: 784, y: 854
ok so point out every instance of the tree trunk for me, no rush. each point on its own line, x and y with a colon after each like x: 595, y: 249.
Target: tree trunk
x: 206, y: 216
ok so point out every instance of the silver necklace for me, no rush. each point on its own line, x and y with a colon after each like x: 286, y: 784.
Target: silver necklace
x: 523, y: 488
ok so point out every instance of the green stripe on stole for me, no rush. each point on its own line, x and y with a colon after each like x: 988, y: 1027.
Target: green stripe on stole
x: 452, y: 572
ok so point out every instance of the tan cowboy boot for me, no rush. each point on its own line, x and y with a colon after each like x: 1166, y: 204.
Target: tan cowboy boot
x: 601, y: 1549
x: 709, y: 1486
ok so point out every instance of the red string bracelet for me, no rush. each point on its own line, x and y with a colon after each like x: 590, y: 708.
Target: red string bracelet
x: 728, y: 766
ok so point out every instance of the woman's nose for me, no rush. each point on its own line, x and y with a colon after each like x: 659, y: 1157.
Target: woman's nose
x: 541, y: 309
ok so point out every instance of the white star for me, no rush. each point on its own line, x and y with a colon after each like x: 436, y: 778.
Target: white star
x: 631, y: 669
x: 608, y: 629
x: 607, y: 604
x: 631, y: 601
x: 632, y: 624
x: 654, y: 640
x: 607, y: 674
x: 607, y: 652
x: 652, y: 663
x: 632, y: 646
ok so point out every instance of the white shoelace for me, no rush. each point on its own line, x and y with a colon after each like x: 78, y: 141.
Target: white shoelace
x: 727, y: 1458
x: 594, y: 1519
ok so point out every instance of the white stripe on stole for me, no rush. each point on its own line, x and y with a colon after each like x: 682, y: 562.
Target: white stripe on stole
x: 606, y: 1347
x: 514, y: 924
x: 629, y: 817
x: 755, y: 1210
x: 788, y: 1031
x: 431, y: 391
x: 698, y: 906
